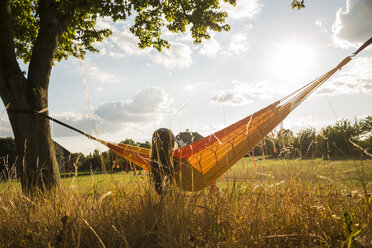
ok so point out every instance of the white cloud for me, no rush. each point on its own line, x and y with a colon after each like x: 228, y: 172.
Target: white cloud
x: 210, y: 48
x: 95, y: 73
x: 238, y: 43
x: 87, y: 123
x: 118, y: 112
x: 356, y: 78
x: 104, y: 23
x: 127, y: 43
x: 178, y: 55
x: 123, y: 43
x: 189, y: 87
x: 320, y: 23
x: 243, y: 93
x: 116, y: 55
x: 141, y: 108
x: 353, y: 25
x: 243, y: 9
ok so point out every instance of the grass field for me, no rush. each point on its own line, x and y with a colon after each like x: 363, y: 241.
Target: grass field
x: 277, y: 203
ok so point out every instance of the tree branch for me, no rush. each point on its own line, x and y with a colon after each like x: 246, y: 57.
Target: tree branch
x: 10, y: 73
x: 46, y: 45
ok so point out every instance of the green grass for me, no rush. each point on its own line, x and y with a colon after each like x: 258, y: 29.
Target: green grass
x: 279, y: 203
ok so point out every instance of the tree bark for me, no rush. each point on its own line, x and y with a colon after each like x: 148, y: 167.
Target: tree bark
x: 35, y: 149
x: 36, y: 154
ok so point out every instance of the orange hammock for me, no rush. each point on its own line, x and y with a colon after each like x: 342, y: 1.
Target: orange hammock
x: 199, y: 164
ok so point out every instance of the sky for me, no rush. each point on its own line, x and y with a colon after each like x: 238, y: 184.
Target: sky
x: 271, y: 50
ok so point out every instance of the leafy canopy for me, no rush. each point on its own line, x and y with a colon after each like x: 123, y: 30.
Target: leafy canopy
x: 78, y: 18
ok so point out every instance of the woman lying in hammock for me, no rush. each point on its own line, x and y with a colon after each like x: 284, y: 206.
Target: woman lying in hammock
x: 162, y: 163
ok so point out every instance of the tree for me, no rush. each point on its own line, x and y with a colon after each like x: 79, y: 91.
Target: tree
x: 43, y: 31
x: 134, y: 143
x: 333, y: 141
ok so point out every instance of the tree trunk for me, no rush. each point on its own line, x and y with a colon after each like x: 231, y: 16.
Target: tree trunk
x: 35, y: 149
x: 36, y: 155
x: 36, y: 160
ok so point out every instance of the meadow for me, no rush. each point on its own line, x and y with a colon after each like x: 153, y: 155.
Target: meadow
x: 275, y: 203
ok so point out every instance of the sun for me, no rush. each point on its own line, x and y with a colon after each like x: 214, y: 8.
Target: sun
x: 291, y: 60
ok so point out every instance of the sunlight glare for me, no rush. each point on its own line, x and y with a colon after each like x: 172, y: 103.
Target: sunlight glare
x: 291, y: 61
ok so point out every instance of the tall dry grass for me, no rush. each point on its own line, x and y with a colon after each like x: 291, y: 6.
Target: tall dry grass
x: 272, y: 210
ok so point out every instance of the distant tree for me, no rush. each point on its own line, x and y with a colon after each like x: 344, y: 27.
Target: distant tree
x: 95, y: 161
x: 128, y: 142
x: 365, y: 126
x: 144, y: 145
x: 43, y: 31
x: 134, y: 143
x: 333, y: 141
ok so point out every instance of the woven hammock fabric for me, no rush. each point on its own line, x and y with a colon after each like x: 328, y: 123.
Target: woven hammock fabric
x: 202, y: 162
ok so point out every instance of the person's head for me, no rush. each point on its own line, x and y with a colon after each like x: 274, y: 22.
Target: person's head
x: 163, y: 142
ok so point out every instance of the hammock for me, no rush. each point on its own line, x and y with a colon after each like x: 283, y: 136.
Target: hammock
x: 199, y: 164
